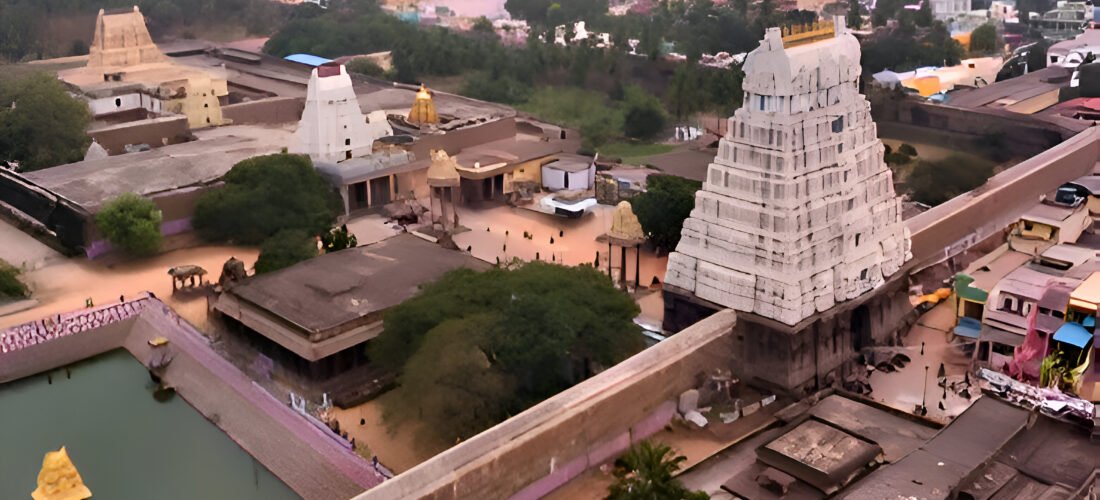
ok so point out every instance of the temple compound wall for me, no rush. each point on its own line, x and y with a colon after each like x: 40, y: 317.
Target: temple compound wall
x: 533, y: 453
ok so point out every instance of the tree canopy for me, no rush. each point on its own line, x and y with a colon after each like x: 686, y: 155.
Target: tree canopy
x: 643, y: 116
x: 284, y: 249
x: 555, y: 12
x: 265, y: 195
x: 662, y: 208
x: 646, y: 472
x: 903, y: 49
x: 45, y: 127
x: 983, y: 40
x: 474, y: 348
x: 131, y: 223
x: 934, y: 182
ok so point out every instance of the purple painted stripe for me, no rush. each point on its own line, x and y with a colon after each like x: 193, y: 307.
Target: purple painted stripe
x: 99, y: 247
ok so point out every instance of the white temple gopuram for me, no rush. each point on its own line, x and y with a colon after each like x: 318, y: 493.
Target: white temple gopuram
x: 798, y: 211
x: 333, y: 128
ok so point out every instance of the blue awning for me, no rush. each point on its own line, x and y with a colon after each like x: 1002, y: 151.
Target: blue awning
x: 1073, y: 334
x: 968, y: 327
x: 307, y: 59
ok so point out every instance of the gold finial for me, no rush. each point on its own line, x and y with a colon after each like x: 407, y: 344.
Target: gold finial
x: 423, y: 109
x: 801, y: 34
x: 59, y: 480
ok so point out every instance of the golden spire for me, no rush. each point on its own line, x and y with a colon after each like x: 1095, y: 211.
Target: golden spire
x: 801, y: 34
x: 423, y: 109
x: 59, y: 480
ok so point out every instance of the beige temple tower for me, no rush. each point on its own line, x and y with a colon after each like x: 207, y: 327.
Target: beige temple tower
x: 798, y: 211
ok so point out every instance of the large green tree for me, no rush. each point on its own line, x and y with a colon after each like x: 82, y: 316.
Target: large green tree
x: 131, y: 223
x: 265, y: 195
x: 662, y: 208
x: 646, y: 472
x: 41, y: 125
x: 474, y: 347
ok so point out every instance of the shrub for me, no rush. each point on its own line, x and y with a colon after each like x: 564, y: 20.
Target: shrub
x: 131, y: 223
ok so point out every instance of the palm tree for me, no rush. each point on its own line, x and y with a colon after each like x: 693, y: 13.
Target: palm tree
x: 645, y: 472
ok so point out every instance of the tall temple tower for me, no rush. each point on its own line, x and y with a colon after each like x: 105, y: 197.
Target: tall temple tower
x: 121, y: 39
x: 798, y: 211
x: 333, y: 128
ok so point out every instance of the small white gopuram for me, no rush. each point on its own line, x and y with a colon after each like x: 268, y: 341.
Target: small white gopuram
x: 332, y: 128
x: 798, y: 211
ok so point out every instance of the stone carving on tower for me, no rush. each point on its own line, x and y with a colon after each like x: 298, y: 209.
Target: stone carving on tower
x: 798, y: 211
x: 333, y: 128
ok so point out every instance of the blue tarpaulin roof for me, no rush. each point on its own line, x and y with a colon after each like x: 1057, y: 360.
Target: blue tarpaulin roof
x: 307, y: 59
x: 1073, y: 334
x: 968, y: 327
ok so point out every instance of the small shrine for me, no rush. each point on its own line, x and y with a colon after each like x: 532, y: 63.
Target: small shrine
x: 626, y: 231
x: 59, y: 480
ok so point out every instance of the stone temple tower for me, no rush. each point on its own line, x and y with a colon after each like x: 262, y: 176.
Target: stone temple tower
x: 798, y: 211
x: 333, y: 128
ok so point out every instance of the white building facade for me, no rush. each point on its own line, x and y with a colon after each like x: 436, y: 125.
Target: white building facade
x: 948, y: 9
x: 798, y: 211
x: 333, y: 128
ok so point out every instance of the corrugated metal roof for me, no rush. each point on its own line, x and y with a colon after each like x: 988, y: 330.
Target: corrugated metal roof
x: 307, y: 59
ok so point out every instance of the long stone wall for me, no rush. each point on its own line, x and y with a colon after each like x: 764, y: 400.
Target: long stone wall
x: 540, y: 449
x: 966, y: 220
x: 269, y: 111
x: 1022, y: 134
x: 312, y: 463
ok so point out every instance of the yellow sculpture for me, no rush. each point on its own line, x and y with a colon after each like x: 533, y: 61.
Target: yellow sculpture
x: 59, y: 480
x: 423, y: 110
x: 625, y: 226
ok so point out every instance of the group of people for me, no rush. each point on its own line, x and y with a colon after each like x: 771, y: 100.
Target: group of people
x: 28, y: 334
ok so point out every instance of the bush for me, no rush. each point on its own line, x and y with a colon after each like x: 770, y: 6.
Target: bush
x: 907, y: 149
x: 265, y: 195
x: 286, y: 248
x: 643, y: 116
x: 898, y: 158
x: 365, y: 66
x: 131, y: 223
x: 10, y: 286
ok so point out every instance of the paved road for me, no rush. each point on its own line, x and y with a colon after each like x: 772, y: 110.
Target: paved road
x: 22, y: 250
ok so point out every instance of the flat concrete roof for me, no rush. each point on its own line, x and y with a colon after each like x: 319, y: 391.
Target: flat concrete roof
x: 92, y: 183
x: 688, y: 163
x: 331, y: 290
x: 939, y: 466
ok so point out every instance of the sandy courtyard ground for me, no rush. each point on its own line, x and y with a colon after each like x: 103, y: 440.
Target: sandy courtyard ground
x: 498, y: 233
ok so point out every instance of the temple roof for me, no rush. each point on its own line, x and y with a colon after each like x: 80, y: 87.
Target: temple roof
x: 443, y: 171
